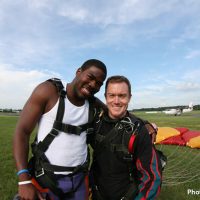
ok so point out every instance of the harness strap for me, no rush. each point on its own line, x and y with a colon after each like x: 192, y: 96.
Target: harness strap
x: 118, y: 148
x: 105, y: 141
x: 71, y: 129
x: 57, y: 82
x: 40, y: 148
x: 131, y: 194
x: 43, y: 169
x: 52, y: 168
x: 61, y: 108
x: 99, y: 138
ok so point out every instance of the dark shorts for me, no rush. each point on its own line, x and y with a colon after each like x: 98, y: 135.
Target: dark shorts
x: 68, y: 184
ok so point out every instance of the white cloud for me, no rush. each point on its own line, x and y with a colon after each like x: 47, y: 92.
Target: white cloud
x: 188, y: 86
x: 120, y: 12
x: 36, y: 4
x: 179, y: 90
x: 17, y: 85
x: 55, y: 34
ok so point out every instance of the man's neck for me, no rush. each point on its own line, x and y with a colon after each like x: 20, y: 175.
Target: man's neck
x: 73, y: 98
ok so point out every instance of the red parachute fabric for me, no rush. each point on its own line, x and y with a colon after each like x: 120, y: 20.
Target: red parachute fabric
x: 174, y: 140
x: 182, y: 130
x: 190, y: 134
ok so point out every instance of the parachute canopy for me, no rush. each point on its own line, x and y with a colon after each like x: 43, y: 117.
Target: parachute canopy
x: 178, y: 136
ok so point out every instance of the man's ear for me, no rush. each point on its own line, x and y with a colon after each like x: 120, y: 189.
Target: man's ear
x: 78, y: 71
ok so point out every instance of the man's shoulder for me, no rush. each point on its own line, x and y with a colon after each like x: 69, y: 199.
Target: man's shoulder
x: 97, y: 103
x: 46, y: 86
x: 58, y: 83
x: 45, y: 92
x: 135, y: 118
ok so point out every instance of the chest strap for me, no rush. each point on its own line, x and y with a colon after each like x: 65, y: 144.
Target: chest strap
x: 71, y: 129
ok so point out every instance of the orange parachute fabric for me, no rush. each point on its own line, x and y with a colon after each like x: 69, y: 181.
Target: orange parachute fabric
x: 194, y: 142
x: 178, y: 136
x: 165, y: 132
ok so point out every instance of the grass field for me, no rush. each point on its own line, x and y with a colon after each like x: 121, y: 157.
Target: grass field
x: 182, y: 171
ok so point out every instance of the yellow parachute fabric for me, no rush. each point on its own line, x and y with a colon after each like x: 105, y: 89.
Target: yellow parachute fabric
x: 165, y: 132
x: 194, y: 142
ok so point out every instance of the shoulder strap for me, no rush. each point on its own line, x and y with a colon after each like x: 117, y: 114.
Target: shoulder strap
x: 42, y: 146
x: 57, y: 82
x: 92, y: 109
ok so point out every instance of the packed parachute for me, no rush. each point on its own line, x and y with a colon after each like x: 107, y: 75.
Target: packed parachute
x: 178, y: 136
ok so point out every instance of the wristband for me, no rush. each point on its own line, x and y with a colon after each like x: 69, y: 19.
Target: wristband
x: 24, y: 182
x: 22, y: 171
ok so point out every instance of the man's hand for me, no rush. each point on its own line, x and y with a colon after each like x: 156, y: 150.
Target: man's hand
x: 29, y: 192
x: 152, y: 129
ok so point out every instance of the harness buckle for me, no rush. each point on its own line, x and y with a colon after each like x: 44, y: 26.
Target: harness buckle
x: 54, y: 132
x: 89, y: 130
x: 39, y: 173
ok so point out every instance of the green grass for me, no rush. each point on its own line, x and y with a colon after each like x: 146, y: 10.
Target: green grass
x: 182, y: 171
x: 8, y: 178
x: 7, y: 168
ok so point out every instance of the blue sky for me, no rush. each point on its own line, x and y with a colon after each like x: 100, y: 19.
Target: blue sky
x: 155, y: 43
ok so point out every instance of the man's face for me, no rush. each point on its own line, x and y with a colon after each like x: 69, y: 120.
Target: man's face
x: 117, y: 99
x: 88, y: 82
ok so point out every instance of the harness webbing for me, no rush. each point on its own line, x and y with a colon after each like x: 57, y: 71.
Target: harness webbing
x: 43, y: 169
x: 70, y: 129
x: 106, y: 140
x: 42, y: 146
x: 130, y: 130
x: 39, y: 149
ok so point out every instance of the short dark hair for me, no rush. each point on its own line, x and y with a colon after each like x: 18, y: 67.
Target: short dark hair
x: 118, y: 79
x: 94, y: 62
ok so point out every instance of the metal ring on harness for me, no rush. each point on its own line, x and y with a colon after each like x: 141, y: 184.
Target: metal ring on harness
x: 128, y: 125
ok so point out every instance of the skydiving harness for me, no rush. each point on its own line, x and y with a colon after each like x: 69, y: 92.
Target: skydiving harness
x: 129, y: 131
x: 129, y: 139
x: 40, y: 166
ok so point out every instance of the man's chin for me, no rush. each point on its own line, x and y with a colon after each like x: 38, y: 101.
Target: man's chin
x: 85, y: 96
x: 115, y: 115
